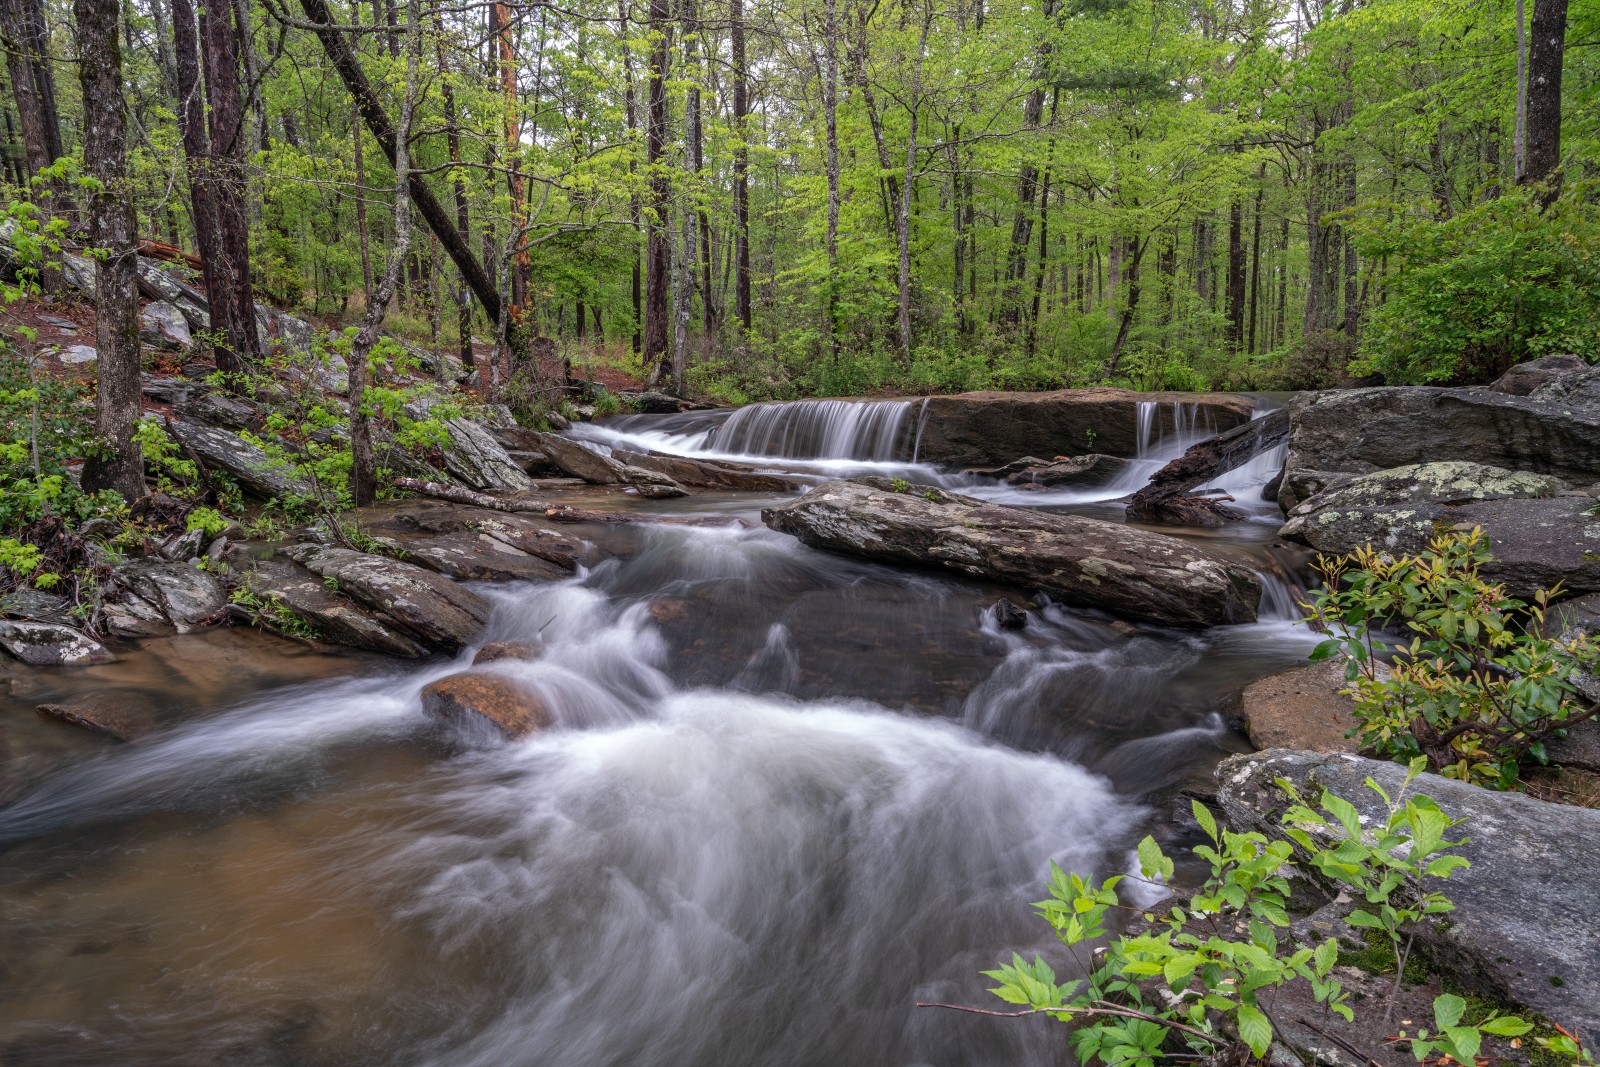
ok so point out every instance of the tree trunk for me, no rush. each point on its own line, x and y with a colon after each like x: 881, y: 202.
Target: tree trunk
x: 913, y: 106
x: 1546, y: 47
x: 452, y: 134
x: 111, y: 231
x: 361, y: 203
x: 363, y: 468
x: 658, y: 253
x: 1027, y: 190
x: 741, y: 166
x: 1137, y: 248
x: 27, y: 40
x: 1235, y: 336
x: 636, y: 211
x: 229, y: 287
x: 1255, y: 259
x: 373, y: 114
x: 830, y: 104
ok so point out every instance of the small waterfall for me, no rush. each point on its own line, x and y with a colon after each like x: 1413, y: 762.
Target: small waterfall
x: 922, y: 423
x: 815, y: 429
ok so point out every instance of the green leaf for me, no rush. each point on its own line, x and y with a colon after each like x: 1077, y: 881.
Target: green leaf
x: 1448, y: 1009
x: 1203, y: 816
x: 1254, y: 1030
x: 1506, y: 1026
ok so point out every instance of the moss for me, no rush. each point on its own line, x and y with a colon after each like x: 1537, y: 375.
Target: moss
x: 1378, y: 958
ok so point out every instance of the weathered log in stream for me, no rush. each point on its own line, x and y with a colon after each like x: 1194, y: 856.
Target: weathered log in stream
x: 1085, y: 562
x: 1166, y: 497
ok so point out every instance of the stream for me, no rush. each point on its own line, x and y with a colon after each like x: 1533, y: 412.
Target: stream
x: 786, y: 796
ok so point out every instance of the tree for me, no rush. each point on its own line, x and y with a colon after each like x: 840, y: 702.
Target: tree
x: 119, y: 465
x: 1546, y: 50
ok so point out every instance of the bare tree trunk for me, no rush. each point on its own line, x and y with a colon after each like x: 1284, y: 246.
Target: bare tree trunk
x: 1235, y: 335
x: 741, y: 167
x: 1027, y: 191
x: 363, y: 468
x: 111, y: 231
x: 636, y: 210
x: 695, y: 135
x: 452, y: 134
x: 1546, y: 48
x: 361, y: 203
x: 27, y: 41
x: 1520, y: 141
x: 1255, y: 259
x: 229, y: 287
x: 658, y: 257
x: 913, y: 105
x: 830, y: 102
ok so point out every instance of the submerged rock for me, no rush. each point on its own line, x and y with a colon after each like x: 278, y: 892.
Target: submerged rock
x: 482, y: 697
x: 123, y: 716
x: 44, y: 644
x: 1523, y: 928
x: 498, y: 650
x: 429, y: 607
x: 710, y: 474
x: 989, y: 428
x: 1085, y: 562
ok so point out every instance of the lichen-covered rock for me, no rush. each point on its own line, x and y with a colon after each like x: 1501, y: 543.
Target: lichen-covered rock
x: 520, y: 531
x: 162, y: 325
x: 597, y: 469
x: 1085, y: 562
x: 335, y: 617
x: 1523, y: 927
x: 473, y: 556
x: 254, y: 470
x: 184, y: 597
x: 429, y: 607
x: 1338, y: 435
x: 46, y: 644
x: 474, y: 698
x: 474, y: 456
x: 157, y: 284
x: 1537, y: 538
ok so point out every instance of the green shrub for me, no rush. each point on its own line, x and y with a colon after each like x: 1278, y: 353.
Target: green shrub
x: 1478, y: 688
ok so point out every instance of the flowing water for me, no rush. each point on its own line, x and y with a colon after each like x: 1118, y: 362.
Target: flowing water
x: 786, y: 795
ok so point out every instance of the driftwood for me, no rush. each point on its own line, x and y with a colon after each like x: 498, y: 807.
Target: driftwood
x: 1166, y: 499
x: 554, y: 512
x: 157, y: 250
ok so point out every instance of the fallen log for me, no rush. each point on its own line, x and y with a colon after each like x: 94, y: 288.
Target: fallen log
x: 157, y: 250
x: 555, y: 512
x: 1165, y: 498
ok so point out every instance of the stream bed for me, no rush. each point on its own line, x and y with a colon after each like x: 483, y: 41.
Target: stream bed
x: 786, y: 796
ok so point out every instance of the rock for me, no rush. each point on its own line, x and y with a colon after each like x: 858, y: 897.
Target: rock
x: 592, y: 467
x: 710, y: 474
x: 44, y: 644
x: 986, y: 429
x: 291, y: 334
x: 1339, y: 435
x: 167, y: 390
x: 1525, y: 378
x: 474, y: 697
x: 652, y: 402
x: 76, y: 354
x: 255, y: 471
x: 1523, y: 927
x: 1577, y: 615
x: 1009, y: 615
x: 1093, y: 469
x: 35, y: 605
x: 498, y: 650
x: 79, y: 273
x: 474, y: 456
x: 65, y: 325
x: 430, y: 608
x: 336, y: 618
x: 186, y: 598
x: 518, y: 530
x: 473, y: 556
x: 157, y: 284
x: 119, y: 716
x: 1301, y: 708
x: 1086, y: 562
x: 216, y: 408
x: 1164, y: 498
x: 162, y: 325
x: 1537, y: 539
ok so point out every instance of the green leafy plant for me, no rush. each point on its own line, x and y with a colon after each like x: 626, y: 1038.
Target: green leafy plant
x: 270, y: 613
x: 899, y: 485
x: 1196, y: 980
x: 1478, y: 688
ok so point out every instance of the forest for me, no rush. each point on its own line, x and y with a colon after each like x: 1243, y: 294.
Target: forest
x: 750, y: 200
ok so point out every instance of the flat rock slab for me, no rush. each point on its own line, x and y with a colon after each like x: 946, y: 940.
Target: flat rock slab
x: 429, y: 607
x: 336, y: 618
x: 481, y: 698
x: 991, y: 428
x: 1084, y: 562
x: 255, y: 471
x: 592, y: 467
x: 1300, y: 708
x: 123, y: 717
x: 473, y: 556
x: 518, y: 531
x: 1524, y: 926
x: 177, y: 596
x: 709, y: 474
x: 44, y: 644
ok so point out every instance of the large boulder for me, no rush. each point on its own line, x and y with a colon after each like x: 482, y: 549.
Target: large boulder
x: 1539, y: 534
x: 707, y: 473
x: 1300, y: 708
x: 1339, y: 435
x: 1085, y: 562
x: 162, y: 325
x: 597, y: 469
x: 45, y: 644
x: 1527, y: 378
x: 1523, y: 928
x: 119, y: 715
x: 429, y: 607
x: 474, y: 456
x: 255, y: 471
x: 157, y: 284
x: 525, y: 539
x: 335, y: 617
x: 155, y: 596
x: 483, y: 698
x: 989, y: 428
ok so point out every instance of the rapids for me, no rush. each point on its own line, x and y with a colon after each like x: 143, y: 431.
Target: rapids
x: 787, y: 796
